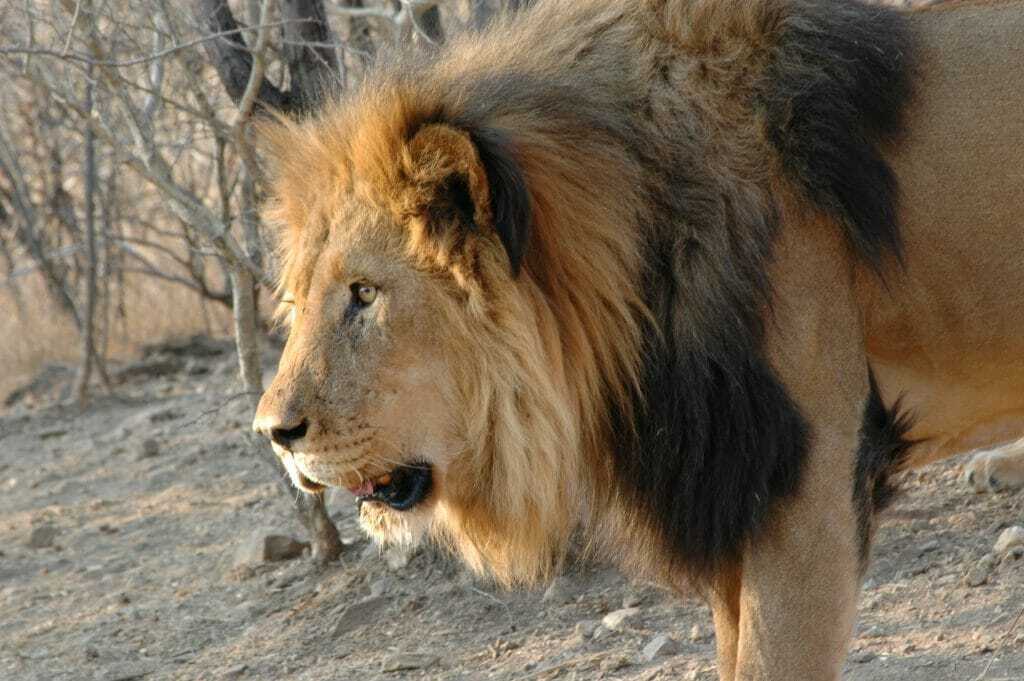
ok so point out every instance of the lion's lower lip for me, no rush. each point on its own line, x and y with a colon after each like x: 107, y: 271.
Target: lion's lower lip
x: 307, y: 485
x: 408, y: 486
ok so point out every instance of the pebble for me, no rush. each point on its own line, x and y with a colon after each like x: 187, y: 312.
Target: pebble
x: 1010, y: 540
x: 43, y: 536
x: 358, y: 615
x: 398, y: 557
x: 148, y: 449
x: 235, y: 672
x: 863, y: 657
x: 614, y: 663
x: 699, y: 634
x: 559, y: 592
x: 632, y: 599
x: 979, y: 573
x: 586, y: 628
x: 266, y: 548
x: 617, y: 619
x: 872, y: 632
x: 408, y: 661
x: 378, y: 588
x: 660, y: 646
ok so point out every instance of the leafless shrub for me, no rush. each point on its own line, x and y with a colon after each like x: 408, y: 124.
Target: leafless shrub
x: 125, y: 155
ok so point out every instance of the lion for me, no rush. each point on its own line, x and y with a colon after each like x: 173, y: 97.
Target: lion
x: 690, y: 279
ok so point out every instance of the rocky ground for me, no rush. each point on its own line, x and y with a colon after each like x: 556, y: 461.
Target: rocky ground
x: 133, y: 539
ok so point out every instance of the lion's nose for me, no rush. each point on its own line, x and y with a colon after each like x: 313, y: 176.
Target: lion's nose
x: 285, y: 435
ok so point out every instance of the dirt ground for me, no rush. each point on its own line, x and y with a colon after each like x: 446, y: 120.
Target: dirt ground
x: 123, y: 530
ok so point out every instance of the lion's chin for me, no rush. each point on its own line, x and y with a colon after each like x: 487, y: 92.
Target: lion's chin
x: 388, y: 527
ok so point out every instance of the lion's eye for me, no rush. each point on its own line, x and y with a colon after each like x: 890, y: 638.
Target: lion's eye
x: 364, y: 294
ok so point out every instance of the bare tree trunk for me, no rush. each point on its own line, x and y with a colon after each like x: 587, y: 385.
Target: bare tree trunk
x: 359, y: 38
x: 81, y: 390
x: 232, y: 59
x: 314, y: 66
x: 429, y: 21
x: 242, y: 74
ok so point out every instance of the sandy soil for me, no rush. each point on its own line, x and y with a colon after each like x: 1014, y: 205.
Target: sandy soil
x: 124, y: 559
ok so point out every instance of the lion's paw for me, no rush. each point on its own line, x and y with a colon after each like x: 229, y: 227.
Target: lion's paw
x: 996, y: 469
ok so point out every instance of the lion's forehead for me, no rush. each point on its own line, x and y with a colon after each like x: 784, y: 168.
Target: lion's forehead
x: 354, y: 244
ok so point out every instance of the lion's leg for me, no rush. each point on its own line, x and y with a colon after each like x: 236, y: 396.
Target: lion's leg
x: 724, y: 600
x: 996, y: 469
x: 801, y: 577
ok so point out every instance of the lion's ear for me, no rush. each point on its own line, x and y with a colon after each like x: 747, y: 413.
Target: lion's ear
x: 473, y: 176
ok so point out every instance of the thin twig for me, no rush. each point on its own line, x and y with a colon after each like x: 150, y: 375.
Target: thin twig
x: 220, y: 407
x: 71, y: 30
x: 258, y: 50
x: 86, y: 59
x: 1002, y: 644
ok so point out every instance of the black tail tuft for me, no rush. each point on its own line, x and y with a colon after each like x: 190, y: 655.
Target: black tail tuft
x: 883, y: 451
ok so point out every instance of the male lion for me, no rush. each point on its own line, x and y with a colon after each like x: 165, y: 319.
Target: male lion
x: 690, y: 276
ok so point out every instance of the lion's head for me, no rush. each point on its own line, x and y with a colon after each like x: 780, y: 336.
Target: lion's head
x: 436, y: 367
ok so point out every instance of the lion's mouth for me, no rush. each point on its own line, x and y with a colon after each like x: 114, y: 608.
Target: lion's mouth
x: 307, y: 485
x: 401, y: 489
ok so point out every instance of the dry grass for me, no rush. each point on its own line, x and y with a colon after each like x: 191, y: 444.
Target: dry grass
x: 38, y: 333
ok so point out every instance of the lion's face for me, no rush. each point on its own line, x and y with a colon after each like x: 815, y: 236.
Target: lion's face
x: 362, y: 398
x: 443, y: 364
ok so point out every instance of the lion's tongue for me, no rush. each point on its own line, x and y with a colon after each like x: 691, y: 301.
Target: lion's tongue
x: 363, y: 490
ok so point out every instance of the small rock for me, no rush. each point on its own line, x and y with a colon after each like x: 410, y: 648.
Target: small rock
x: 43, y: 536
x: 378, y: 588
x: 265, y: 548
x: 660, y: 646
x: 872, y: 632
x: 617, y: 619
x: 148, y: 449
x: 585, y: 629
x: 928, y: 547
x: 980, y: 571
x: 1011, y: 538
x: 406, y: 661
x: 614, y: 663
x: 698, y: 634
x: 632, y: 599
x: 194, y: 368
x: 863, y: 657
x: 600, y: 631
x: 372, y: 551
x: 398, y: 557
x: 559, y: 592
x: 235, y: 672
x: 358, y: 615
